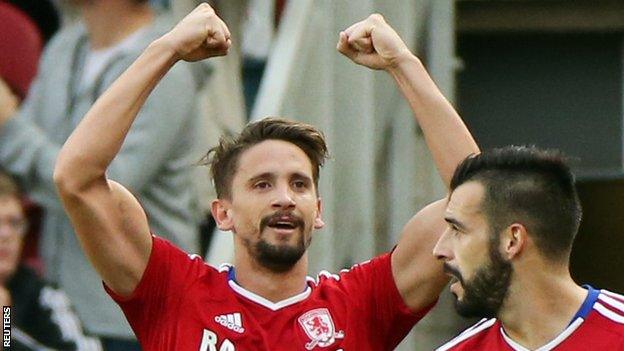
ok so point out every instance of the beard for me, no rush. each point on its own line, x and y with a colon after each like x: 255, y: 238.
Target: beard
x: 485, y: 293
x: 280, y: 258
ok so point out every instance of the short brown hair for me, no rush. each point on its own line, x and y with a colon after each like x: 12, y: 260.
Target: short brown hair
x: 223, y: 158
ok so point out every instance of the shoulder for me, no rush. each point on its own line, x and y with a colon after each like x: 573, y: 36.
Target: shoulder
x: 472, y: 335
x: 166, y: 254
x: 25, y: 280
x: 66, y: 39
x: 610, y: 307
x: 365, y: 270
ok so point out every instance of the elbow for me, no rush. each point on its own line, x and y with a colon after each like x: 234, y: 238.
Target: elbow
x: 70, y: 178
x: 63, y: 180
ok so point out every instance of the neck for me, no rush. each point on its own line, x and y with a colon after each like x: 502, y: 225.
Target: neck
x: 110, y: 21
x: 272, y: 286
x: 540, y: 305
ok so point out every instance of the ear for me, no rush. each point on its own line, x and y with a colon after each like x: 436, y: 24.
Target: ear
x: 318, y: 221
x: 514, y: 240
x: 222, y: 214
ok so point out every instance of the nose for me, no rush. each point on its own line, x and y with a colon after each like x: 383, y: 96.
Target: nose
x: 442, y: 249
x: 284, y: 198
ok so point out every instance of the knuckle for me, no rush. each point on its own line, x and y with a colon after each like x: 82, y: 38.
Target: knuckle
x: 377, y: 17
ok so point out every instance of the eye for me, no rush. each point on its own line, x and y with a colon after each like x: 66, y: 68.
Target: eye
x: 262, y: 185
x: 299, y: 184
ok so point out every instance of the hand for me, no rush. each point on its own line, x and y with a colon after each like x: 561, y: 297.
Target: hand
x: 200, y: 35
x: 8, y: 102
x: 373, y: 43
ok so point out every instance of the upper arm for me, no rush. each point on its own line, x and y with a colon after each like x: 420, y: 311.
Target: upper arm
x: 417, y: 273
x: 164, y: 130
x: 113, y: 231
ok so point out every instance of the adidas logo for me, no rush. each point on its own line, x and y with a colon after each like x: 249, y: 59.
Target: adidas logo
x: 232, y: 321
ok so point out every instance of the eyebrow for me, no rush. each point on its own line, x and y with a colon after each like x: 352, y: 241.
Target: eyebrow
x: 457, y: 223
x: 262, y: 176
x: 303, y: 176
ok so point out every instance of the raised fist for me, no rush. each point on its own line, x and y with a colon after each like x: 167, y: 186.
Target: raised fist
x: 199, y: 35
x: 373, y: 43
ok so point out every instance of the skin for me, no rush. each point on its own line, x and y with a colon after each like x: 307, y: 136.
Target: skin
x: 11, y: 242
x: 542, y: 297
x: 467, y: 235
x: 272, y: 176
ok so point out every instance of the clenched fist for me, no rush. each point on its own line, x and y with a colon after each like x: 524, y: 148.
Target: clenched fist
x: 373, y: 43
x: 200, y: 35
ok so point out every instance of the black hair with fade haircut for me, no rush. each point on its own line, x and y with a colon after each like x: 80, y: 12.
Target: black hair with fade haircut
x: 223, y: 158
x: 531, y: 186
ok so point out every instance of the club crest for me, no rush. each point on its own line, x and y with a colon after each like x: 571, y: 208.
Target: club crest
x: 319, y: 327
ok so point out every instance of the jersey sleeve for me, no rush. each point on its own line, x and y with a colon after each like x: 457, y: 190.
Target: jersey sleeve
x: 157, y: 296
x: 373, y: 290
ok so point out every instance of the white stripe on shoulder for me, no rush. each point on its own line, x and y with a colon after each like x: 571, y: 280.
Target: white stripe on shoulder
x: 613, y: 295
x: 618, y: 305
x: 327, y: 275
x: 468, y: 333
x: 225, y: 267
x: 618, y: 318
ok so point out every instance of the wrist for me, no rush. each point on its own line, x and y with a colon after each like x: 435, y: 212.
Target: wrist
x: 163, y: 47
x: 403, y: 62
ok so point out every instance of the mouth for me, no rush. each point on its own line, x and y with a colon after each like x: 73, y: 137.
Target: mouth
x: 456, y: 278
x: 282, y: 223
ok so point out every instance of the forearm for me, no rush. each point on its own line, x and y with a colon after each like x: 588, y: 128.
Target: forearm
x: 98, y: 138
x: 446, y: 134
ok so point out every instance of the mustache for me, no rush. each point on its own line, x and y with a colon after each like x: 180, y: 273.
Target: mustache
x: 454, y: 272
x: 297, y: 221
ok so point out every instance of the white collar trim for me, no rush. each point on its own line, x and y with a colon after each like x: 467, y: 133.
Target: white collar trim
x: 550, y: 345
x: 273, y: 306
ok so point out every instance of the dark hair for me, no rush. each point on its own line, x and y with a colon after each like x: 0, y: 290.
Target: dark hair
x: 531, y: 186
x: 223, y: 158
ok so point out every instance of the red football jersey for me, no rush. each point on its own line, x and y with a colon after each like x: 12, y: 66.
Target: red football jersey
x: 182, y: 303
x: 598, y: 325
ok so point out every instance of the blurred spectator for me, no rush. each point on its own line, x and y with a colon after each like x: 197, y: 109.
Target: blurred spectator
x: 77, y: 66
x: 259, y: 30
x: 41, y: 316
x: 43, y: 13
x: 20, y: 48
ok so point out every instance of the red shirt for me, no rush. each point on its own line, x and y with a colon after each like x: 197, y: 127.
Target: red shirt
x: 182, y: 303
x: 598, y: 325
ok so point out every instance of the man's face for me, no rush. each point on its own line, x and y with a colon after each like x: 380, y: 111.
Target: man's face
x: 481, y: 276
x: 12, y: 230
x: 274, y: 205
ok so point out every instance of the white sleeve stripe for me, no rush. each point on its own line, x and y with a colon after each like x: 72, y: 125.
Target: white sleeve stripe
x: 467, y: 334
x: 67, y: 321
x: 612, y: 302
x: 608, y: 313
x: 613, y: 295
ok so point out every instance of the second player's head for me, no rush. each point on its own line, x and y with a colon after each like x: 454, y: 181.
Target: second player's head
x: 511, y: 211
x: 266, y: 180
